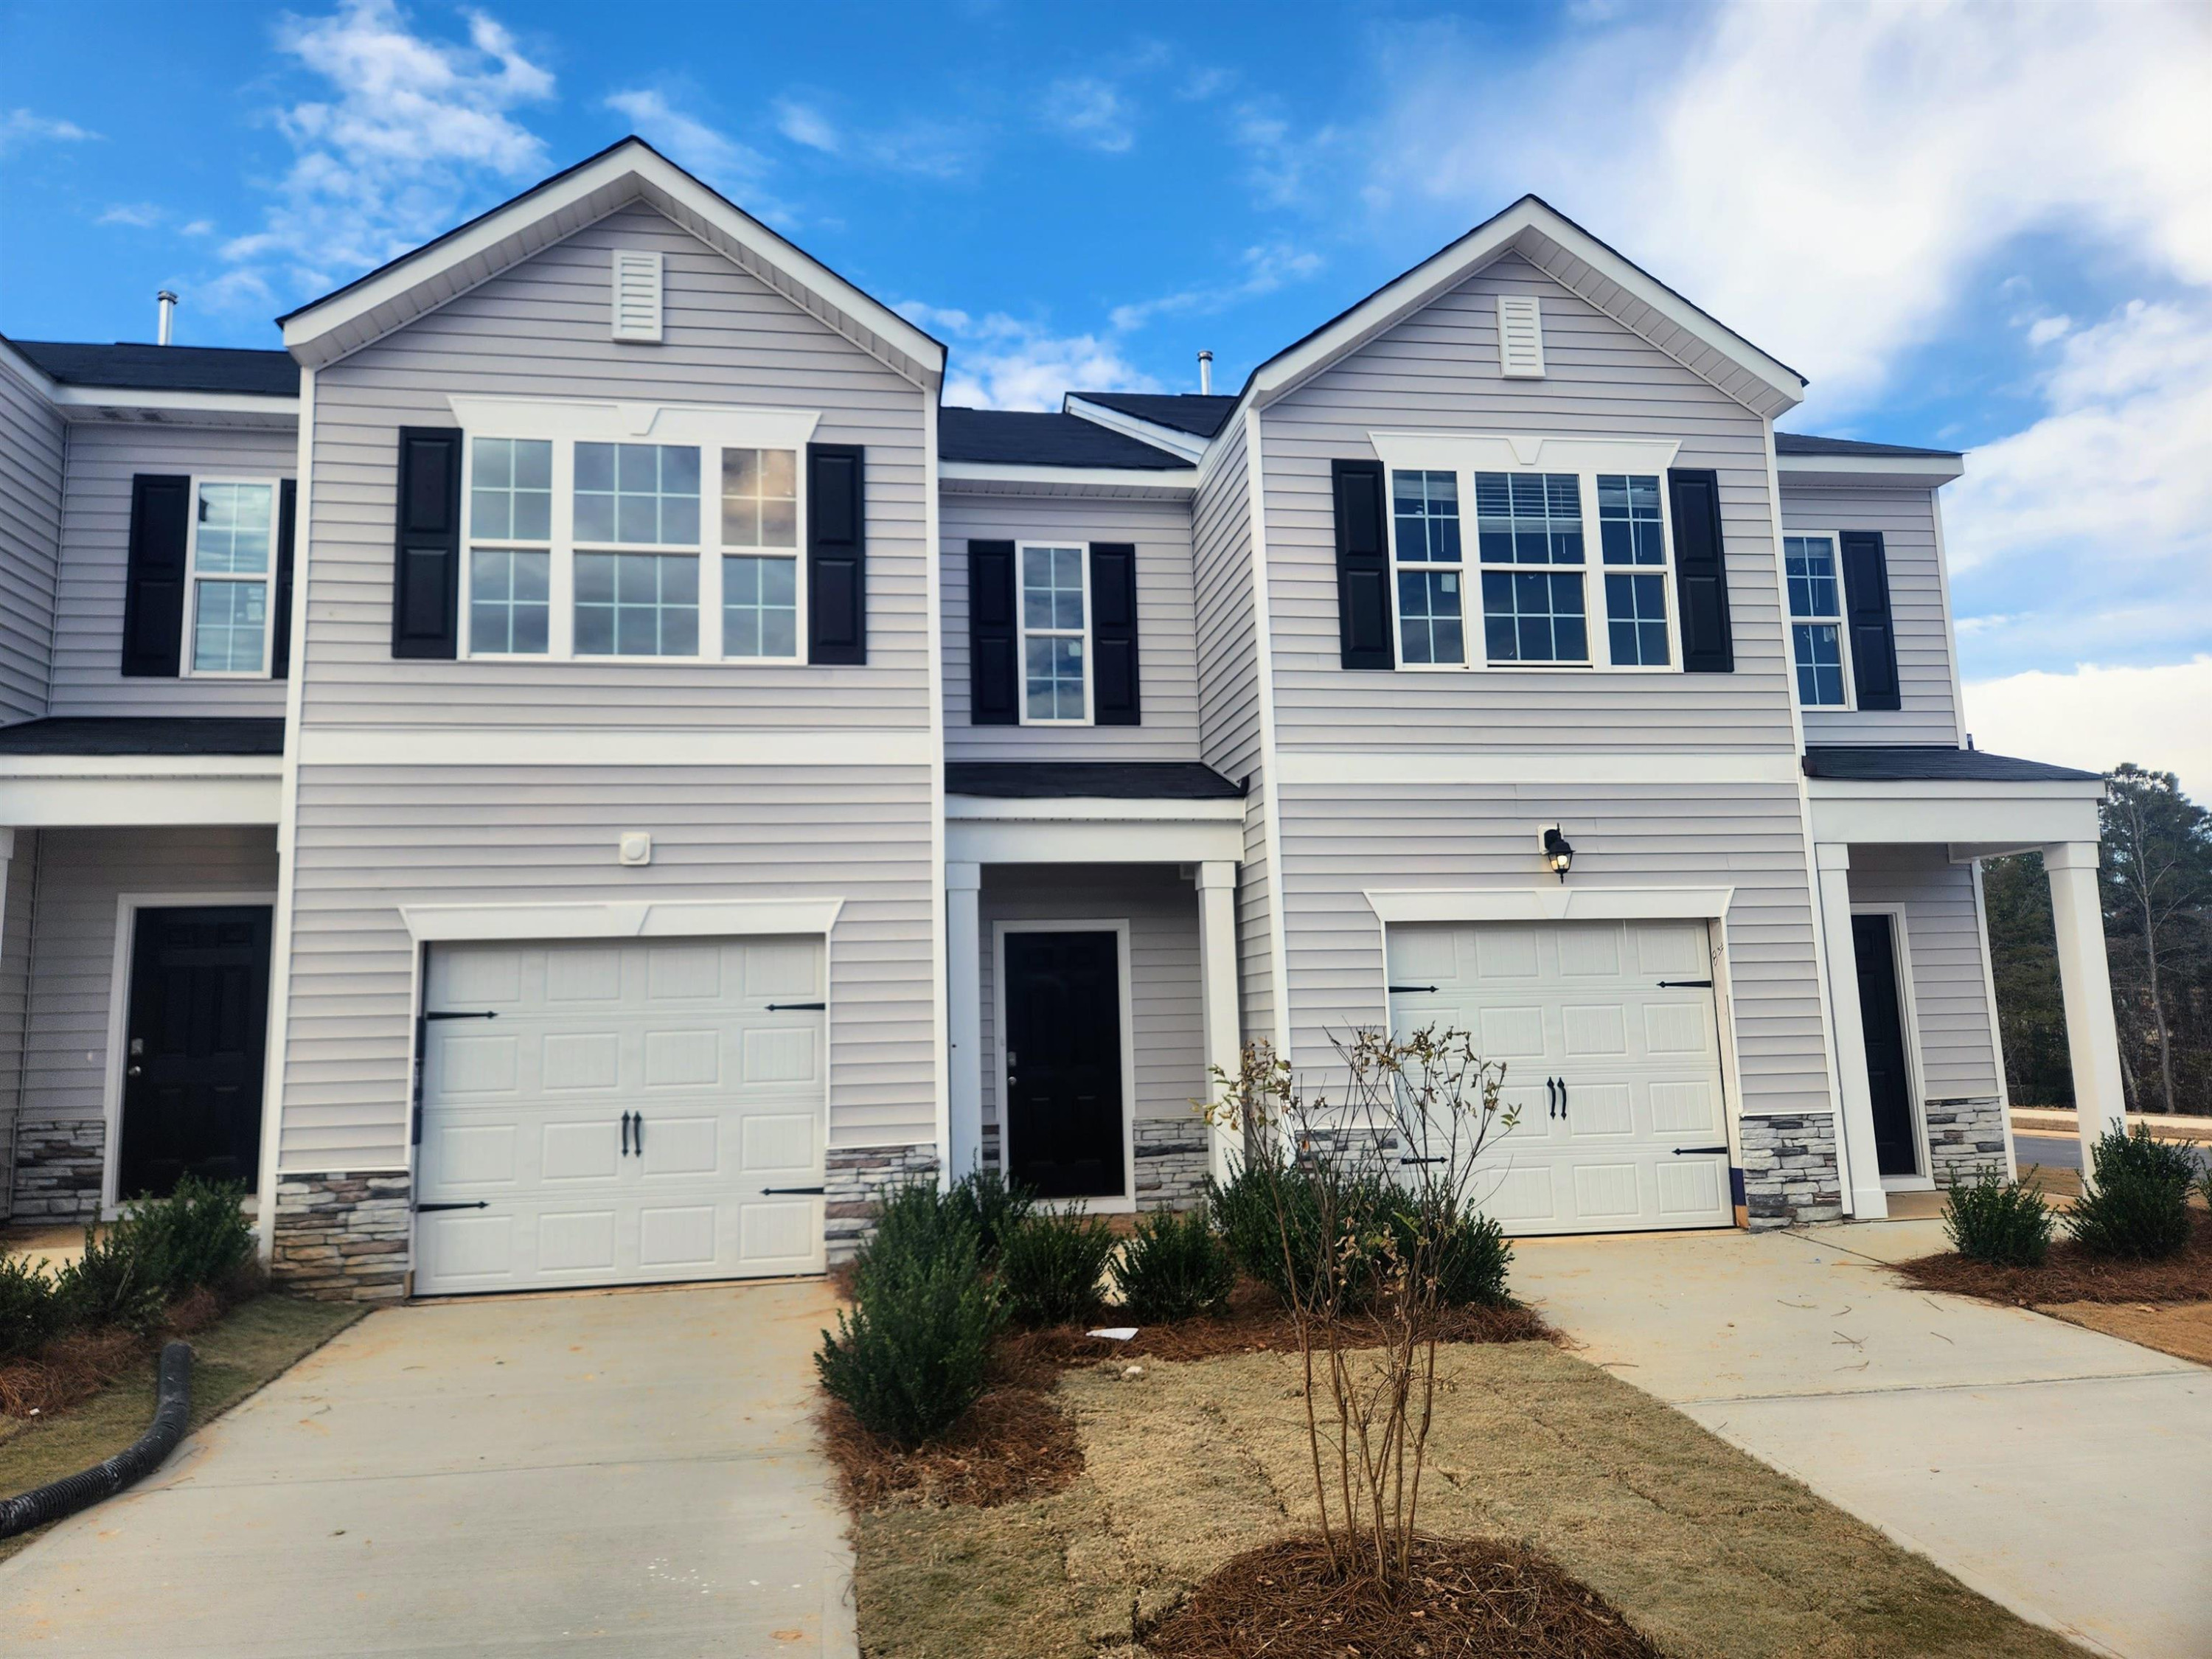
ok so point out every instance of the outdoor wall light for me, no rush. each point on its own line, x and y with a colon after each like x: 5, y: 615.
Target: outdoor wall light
x: 1559, y: 851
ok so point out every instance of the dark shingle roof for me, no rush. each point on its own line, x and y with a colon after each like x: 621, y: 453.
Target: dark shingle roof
x: 148, y: 734
x: 1181, y: 411
x: 1799, y: 443
x: 1089, y: 781
x: 165, y: 368
x: 1923, y: 762
x: 1025, y: 438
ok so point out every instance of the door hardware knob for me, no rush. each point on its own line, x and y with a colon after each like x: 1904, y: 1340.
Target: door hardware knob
x: 134, y: 1071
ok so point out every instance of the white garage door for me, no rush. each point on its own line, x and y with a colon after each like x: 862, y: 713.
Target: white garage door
x: 1612, y: 1051
x: 629, y: 1112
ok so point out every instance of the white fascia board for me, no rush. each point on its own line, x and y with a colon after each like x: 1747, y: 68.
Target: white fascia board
x: 1189, y: 444
x: 488, y: 746
x: 151, y: 767
x: 1445, y: 269
x: 31, y: 374
x: 1929, y: 470
x: 108, y: 403
x: 56, y: 803
x: 1092, y: 809
x: 638, y: 919
x: 1180, y: 840
x: 1311, y: 768
x: 1956, y: 815
x: 351, y: 317
x: 1170, y: 482
x: 1549, y: 903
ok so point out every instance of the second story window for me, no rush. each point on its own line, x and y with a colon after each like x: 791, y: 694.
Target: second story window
x: 233, y: 545
x: 1529, y: 535
x: 1632, y: 546
x: 636, y: 603
x: 510, y: 546
x: 1056, y: 636
x: 1816, y: 621
x: 760, y: 585
x: 1425, y: 513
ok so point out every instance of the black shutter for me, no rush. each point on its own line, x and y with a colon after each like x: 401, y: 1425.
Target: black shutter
x: 154, y: 587
x: 836, y: 555
x: 993, y: 696
x: 1867, y: 619
x: 1363, y: 566
x: 280, y: 646
x: 1701, y: 572
x: 1114, y: 634
x: 426, y: 570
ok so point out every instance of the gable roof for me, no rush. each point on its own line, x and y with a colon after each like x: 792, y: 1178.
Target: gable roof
x: 1025, y: 438
x: 395, y: 295
x: 164, y: 368
x: 1182, y: 411
x: 1577, y: 260
x: 1804, y: 443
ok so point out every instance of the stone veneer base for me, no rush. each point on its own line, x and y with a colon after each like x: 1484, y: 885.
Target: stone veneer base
x: 855, y: 1180
x: 341, y: 1237
x: 1791, y: 1171
x: 1965, y: 1136
x: 59, y: 1168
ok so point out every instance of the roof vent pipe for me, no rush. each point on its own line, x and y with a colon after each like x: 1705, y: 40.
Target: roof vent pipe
x: 1206, y: 374
x: 165, y: 304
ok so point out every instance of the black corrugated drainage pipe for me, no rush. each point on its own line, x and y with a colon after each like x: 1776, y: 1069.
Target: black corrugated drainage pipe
x: 58, y: 1498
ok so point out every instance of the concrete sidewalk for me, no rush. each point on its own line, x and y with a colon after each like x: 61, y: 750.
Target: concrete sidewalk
x: 2065, y: 1474
x: 627, y: 1472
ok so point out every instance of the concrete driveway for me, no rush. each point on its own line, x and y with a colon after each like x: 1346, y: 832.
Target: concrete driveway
x: 2065, y: 1474
x: 626, y: 1473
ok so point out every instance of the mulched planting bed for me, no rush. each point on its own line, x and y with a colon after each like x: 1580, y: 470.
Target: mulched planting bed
x: 1482, y: 1598
x: 2072, y: 1274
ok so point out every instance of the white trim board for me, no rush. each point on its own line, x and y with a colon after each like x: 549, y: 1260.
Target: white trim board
x: 1189, y: 444
x: 535, y: 745
x: 619, y: 919
x: 1092, y: 809
x: 1126, y: 1202
x: 58, y: 803
x: 1513, y: 451
x: 1310, y: 766
x: 1170, y: 483
x: 1159, y: 841
x: 1558, y: 903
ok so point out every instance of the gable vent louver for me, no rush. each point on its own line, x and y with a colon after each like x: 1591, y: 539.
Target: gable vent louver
x: 636, y: 294
x: 1520, y: 338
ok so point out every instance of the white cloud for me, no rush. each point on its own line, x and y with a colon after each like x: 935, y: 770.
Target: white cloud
x: 804, y: 125
x: 722, y: 161
x: 1090, y: 112
x: 935, y: 150
x: 2096, y: 717
x: 1004, y: 364
x: 400, y: 150
x: 138, y: 216
x: 22, y: 128
x: 1266, y: 268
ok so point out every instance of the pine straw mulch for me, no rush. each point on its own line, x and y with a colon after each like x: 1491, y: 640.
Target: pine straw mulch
x: 1016, y: 1442
x: 2071, y: 1274
x: 1484, y: 1599
x: 73, y: 1368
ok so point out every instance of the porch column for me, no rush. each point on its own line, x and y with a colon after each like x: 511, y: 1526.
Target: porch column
x: 963, y: 998
x: 2085, y: 984
x: 1217, y: 972
x: 1861, y: 1170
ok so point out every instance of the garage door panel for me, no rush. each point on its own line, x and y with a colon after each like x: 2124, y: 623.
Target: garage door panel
x: 1518, y: 1192
x: 1690, y: 1187
x: 1510, y: 1034
x: 527, y: 1116
x: 1595, y: 1111
x: 1605, y: 1192
x: 1588, y: 953
x: 1690, y: 1108
x: 1422, y: 955
x: 1599, y: 1031
x: 1673, y: 1029
x: 1507, y: 953
x: 1672, y: 948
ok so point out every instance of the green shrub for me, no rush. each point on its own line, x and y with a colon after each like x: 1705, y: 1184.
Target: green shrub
x: 1469, y: 1256
x: 1989, y: 1219
x: 914, y: 1222
x: 198, y: 1237
x: 1260, y: 1205
x: 30, y: 1308
x: 114, y: 1282
x: 1048, y: 1267
x: 2139, y: 1205
x: 1176, y: 1267
x: 993, y: 1206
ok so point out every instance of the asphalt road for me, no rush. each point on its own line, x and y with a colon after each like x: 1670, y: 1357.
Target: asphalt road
x: 2064, y: 1152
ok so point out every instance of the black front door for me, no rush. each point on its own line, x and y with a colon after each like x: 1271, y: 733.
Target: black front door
x: 192, y: 1058
x: 1887, y: 1074
x: 1063, y: 1126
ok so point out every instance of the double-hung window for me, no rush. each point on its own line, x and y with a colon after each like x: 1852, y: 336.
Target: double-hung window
x: 233, y: 564
x: 1430, y: 568
x: 760, y: 584
x: 510, y: 546
x: 634, y: 599
x: 1529, y: 536
x: 1816, y: 621
x: 1055, y: 612
x: 1632, y: 546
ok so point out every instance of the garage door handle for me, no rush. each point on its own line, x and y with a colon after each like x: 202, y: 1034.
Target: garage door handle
x: 480, y: 1204
x: 781, y: 1007
x: 637, y: 1133
x: 813, y: 1192
x: 488, y: 1013
x: 1686, y: 985
x: 1408, y: 990
x: 1693, y: 1151
x: 625, y: 1150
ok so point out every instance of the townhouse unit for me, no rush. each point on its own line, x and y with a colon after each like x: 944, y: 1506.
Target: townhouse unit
x: 579, y: 770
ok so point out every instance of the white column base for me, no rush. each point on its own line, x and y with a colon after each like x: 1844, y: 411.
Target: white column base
x: 1217, y: 971
x: 2085, y: 985
x: 964, y: 997
x: 1861, y: 1170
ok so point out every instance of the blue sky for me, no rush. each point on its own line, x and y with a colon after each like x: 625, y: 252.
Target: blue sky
x: 1978, y: 228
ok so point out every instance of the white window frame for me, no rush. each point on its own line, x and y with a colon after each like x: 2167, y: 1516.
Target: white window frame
x: 1023, y: 633
x: 1791, y: 619
x: 1594, y: 546
x: 706, y: 427
x: 193, y: 579
x: 796, y: 553
x: 1397, y: 627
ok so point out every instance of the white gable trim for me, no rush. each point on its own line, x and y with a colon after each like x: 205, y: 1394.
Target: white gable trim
x: 1189, y: 444
x: 1577, y: 261
x: 389, y: 299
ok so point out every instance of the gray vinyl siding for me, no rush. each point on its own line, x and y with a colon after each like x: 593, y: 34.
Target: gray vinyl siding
x: 372, y: 839
x: 96, y: 558
x: 541, y: 329
x: 1167, y: 666
x: 81, y: 874
x: 1942, y: 936
x: 20, y: 873
x: 32, y: 445
x: 1747, y: 837
x: 1906, y: 520
x: 1162, y: 910
x: 1438, y: 371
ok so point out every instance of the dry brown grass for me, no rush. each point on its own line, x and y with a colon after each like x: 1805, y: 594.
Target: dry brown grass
x: 2072, y: 1274
x: 1706, y: 1550
x: 2183, y: 1329
x: 67, y: 1369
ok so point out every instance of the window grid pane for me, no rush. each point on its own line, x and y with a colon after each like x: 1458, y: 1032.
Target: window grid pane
x: 1819, y: 650
x: 636, y: 604
x: 760, y: 607
x: 1054, y: 663
x: 1533, y: 616
x: 1427, y: 506
x: 1629, y: 531
x: 1429, y: 623
x: 640, y: 493
x: 236, y: 523
x: 1809, y: 563
x: 760, y: 498
x: 1529, y: 518
x: 511, y: 489
x: 1053, y: 629
x: 229, y: 619
x: 1636, y: 618
x: 509, y: 602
